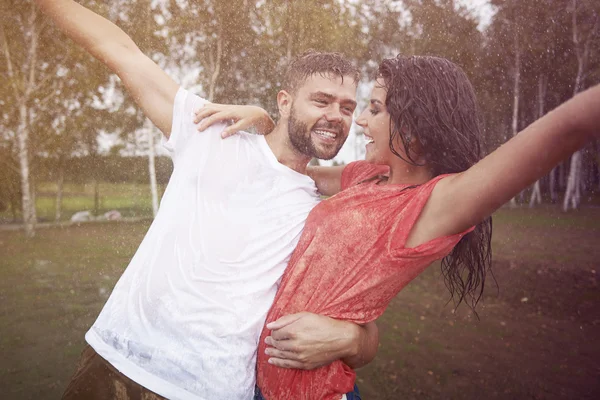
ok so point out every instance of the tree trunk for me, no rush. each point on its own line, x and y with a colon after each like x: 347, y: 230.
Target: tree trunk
x: 573, y: 193
x: 96, y: 197
x: 149, y: 127
x: 59, y: 189
x: 13, y: 207
x: 33, y: 187
x: 536, y: 193
x: 23, y: 89
x: 562, y: 175
x: 552, y: 185
x: 28, y: 208
x: 290, y: 34
x: 574, y: 182
x: 216, y: 63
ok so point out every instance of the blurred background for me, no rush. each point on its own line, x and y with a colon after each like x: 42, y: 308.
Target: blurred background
x: 82, y: 171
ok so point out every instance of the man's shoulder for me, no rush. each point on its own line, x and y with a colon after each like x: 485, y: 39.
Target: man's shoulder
x: 244, y: 138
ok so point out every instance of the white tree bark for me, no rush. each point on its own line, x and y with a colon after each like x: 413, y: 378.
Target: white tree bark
x: 582, y: 50
x: 536, y: 193
x: 23, y: 91
x: 28, y: 208
x: 573, y: 193
x: 150, y: 133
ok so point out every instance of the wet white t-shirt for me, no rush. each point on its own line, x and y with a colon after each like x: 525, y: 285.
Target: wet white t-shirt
x: 185, y: 318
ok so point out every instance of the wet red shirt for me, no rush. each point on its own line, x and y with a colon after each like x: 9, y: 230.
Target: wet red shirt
x: 349, y: 264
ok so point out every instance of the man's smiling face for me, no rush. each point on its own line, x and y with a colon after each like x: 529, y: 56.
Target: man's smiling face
x: 321, y: 115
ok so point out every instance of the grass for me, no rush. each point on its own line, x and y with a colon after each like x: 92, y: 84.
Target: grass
x: 537, y: 336
x: 131, y: 199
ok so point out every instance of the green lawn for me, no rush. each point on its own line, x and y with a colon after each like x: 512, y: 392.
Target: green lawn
x: 538, y: 336
x: 131, y: 199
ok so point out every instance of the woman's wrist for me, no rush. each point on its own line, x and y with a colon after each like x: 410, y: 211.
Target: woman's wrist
x: 265, y: 124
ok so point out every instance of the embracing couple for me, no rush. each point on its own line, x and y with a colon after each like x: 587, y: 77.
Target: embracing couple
x: 243, y: 239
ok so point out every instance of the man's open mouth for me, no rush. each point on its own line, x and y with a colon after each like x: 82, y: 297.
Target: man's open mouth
x: 325, y: 134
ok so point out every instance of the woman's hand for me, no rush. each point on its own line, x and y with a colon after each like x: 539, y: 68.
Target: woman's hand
x: 239, y: 117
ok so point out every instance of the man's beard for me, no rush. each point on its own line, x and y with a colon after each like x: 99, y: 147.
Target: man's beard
x: 301, y: 139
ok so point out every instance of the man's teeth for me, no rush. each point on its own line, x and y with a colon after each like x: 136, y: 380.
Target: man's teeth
x: 326, y: 134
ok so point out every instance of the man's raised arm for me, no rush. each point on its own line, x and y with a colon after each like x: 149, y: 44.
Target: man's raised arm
x: 152, y: 89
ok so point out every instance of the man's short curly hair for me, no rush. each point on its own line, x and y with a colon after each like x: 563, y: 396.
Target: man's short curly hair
x: 313, y: 62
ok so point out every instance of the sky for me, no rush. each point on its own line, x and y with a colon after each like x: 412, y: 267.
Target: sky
x: 481, y: 8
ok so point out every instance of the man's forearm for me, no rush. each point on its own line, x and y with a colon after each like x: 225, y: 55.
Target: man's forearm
x: 95, y: 34
x: 308, y: 341
x: 364, y: 345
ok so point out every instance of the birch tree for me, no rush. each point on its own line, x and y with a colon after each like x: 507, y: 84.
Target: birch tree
x: 23, y: 78
x: 141, y: 21
x: 536, y: 193
x: 516, y: 92
x: 582, y: 44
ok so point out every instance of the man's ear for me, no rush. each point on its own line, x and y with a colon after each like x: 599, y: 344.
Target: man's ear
x: 284, y: 103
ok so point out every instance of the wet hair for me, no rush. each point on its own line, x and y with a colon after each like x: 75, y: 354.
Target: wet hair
x: 313, y: 62
x: 430, y: 99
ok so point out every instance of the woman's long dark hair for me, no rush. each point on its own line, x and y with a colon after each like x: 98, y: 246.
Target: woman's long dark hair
x: 430, y: 99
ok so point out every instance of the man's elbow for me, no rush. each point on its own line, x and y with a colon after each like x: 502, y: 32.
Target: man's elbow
x: 120, y: 58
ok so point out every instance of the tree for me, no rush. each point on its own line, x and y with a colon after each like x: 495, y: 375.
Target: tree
x: 24, y: 83
x: 141, y: 20
x: 585, y: 31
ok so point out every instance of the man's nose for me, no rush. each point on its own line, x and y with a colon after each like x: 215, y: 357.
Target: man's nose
x: 334, y: 113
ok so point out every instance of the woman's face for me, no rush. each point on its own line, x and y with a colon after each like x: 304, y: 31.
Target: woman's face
x: 375, y: 121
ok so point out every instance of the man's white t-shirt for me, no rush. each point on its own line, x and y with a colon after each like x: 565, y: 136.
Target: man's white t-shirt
x: 185, y: 318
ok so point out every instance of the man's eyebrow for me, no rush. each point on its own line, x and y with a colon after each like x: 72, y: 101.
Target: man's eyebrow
x: 322, y: 94
x: 332, y: 97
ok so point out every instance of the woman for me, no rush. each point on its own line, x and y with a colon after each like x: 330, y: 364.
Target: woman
x: 421, y: 195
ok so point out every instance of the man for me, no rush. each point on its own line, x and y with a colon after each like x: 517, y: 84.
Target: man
x: 184, y: 319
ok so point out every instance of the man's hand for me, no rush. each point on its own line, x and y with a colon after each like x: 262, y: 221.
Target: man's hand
x: 309, y: 341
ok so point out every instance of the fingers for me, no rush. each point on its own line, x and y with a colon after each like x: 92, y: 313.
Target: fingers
x: 284, y: 321
x: 204, y: 112
x: 284, y: 355
x: 281, y: 344
x: 214, y: 118
x: 232, y: 129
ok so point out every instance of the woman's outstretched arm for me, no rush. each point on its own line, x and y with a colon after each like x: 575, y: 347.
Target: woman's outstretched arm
x: 463, y: 200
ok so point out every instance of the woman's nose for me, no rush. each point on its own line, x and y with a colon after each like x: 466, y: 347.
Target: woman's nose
x: 361, y: 120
